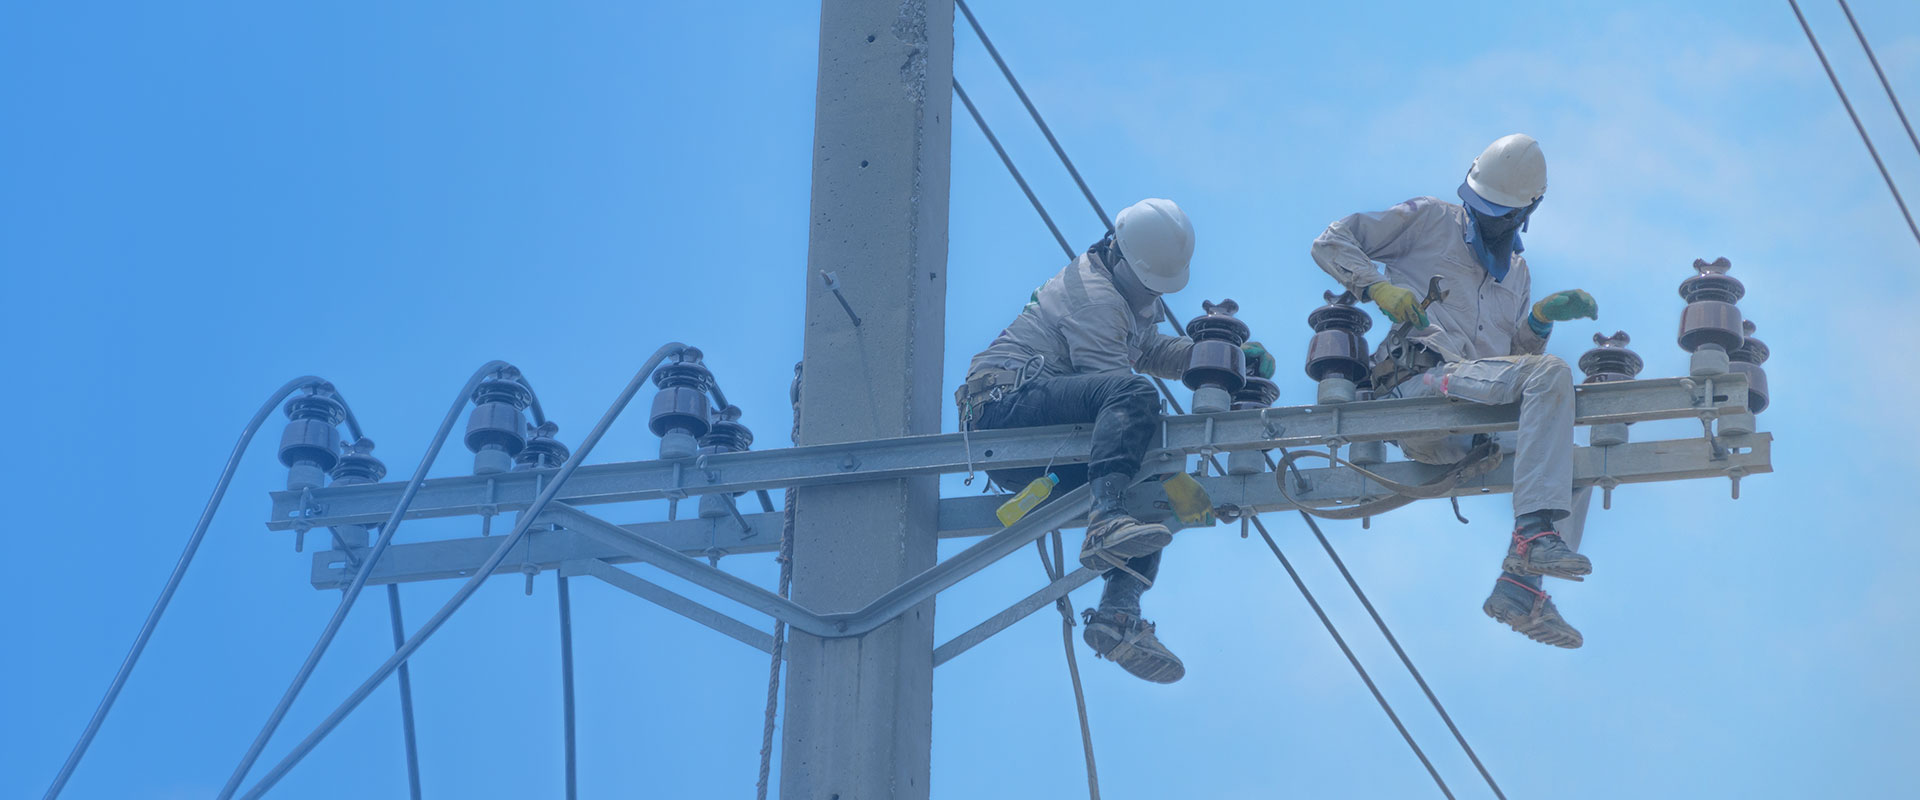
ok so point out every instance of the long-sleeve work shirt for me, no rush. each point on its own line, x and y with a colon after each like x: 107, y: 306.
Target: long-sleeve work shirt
x: 1426, y: 237
x: 1079, y: 323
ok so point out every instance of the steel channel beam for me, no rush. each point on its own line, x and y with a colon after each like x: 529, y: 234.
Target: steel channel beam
x: 896, y: 601
x: 670, y: 600
x: 1637, y: 462
x: 1014, y: 613
x: 1290, y: 426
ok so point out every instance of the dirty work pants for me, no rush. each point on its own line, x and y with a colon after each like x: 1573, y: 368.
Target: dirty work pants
x: 1124, y: 409
x: 1543, y: 454
x: 1122, y: 406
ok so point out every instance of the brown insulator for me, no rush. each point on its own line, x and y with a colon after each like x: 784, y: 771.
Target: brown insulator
x: 1610, y: 360
x: 1339, y: 347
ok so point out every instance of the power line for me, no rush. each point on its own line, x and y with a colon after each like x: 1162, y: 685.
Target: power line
x: 1033, y: 112
x: 1351, y: 659
x: 1864, y: 138
x: 1883, y: 76
x: 1166, y: 392
x: 1011, y: 169
x: 1404, y: 659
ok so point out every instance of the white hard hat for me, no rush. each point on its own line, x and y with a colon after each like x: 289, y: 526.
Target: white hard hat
x: 1156, y: 239
x: 1511, y: 172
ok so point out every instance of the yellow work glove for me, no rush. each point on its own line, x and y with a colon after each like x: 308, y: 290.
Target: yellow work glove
x: 1398, y: 304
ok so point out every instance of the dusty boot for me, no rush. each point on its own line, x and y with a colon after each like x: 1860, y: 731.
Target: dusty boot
x: 1113, y: 535
x: 1538, y: 550
x: 1518, y: 603
x: 1116, y: 632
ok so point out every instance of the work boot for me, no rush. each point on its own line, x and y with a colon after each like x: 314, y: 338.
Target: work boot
x: 1113, y: 535
x: 1538, y: 550
x: 1518, y: 603
x: 1116, y: 632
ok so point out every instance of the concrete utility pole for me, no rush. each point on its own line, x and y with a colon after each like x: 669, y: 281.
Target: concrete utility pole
x: 860, y: 710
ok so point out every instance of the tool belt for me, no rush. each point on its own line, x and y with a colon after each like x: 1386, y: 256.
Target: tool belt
x: 984, y: 387
x: 1399, y: 362
x: 988, y: 385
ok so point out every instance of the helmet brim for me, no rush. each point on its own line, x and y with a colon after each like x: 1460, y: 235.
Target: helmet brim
x: 1162, y: 284
x: 1495, y: 196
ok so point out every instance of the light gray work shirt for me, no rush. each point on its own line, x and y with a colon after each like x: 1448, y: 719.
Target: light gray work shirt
x: 1426, y: 237
x: 1078, y: 323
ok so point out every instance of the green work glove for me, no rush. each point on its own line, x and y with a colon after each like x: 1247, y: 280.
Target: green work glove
x: 1399, y: 304
x: 1563, y: 306
x: 1259, y: 361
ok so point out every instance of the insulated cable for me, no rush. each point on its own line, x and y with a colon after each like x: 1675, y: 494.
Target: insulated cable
x: 472, y: 585
x: 1883, y: 76
x: 352, y: 593
x: 1350, y: 657
x: 406, y: 696
x: 1166, y: 393
x: 572, y: 782
x: 179, y: 573
x: 1384, y: 631
x: 1033, y: 112
x: 1011, y: 169
x: 1056, y: 569
x: 1864, y: 138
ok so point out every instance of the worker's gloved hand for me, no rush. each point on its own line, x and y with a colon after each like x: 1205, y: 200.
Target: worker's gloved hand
x: 1563, y: 306
x: 1399, y: 304
x: 1259, y: 361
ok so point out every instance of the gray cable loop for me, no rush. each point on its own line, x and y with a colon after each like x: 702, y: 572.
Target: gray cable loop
x: 466, y: 590
x: 179, y: 573
x: 352, y: 593
x: 1056, y: 569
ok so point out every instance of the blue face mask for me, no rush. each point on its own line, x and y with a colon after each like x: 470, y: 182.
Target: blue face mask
x: 1495, y: 232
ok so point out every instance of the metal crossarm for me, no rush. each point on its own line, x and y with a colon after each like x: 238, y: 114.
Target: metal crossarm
x: 1636, y: 462
x: 1289, y: 426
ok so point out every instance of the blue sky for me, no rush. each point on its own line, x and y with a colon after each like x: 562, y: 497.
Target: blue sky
x: 205, y: 199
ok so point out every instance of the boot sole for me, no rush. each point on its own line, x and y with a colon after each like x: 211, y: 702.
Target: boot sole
x: 1575, y: 573
x: 1522, y: 623
x: 1102, y: 639
x: 1144, y: 544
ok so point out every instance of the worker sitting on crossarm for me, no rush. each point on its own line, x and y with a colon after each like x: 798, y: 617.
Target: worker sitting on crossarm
x: 1482, y: 341
x: 1070, y: 357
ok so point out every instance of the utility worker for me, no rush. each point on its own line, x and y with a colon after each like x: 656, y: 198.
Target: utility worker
x: 1071, y: 356
x: 1484, y: 342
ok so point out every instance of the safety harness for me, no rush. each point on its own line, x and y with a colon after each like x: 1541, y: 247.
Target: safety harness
x: 986, y: 386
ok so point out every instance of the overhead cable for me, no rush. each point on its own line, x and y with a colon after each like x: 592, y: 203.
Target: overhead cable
x: 466, y: 590
x: 1883, y: 76
x: 179, y: 573
x: 1167, y: 393
x: 1011, y: 169
x: 408, y: 741
x: 1056, y: 569
x: 1351, y: 659
x: 1034, y: 112
x: 1402, y: 653
x: 359, y: 583
x: 1864, y: 138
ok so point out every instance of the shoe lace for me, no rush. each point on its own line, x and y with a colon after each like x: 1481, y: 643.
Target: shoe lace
x: 1522, y: 544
